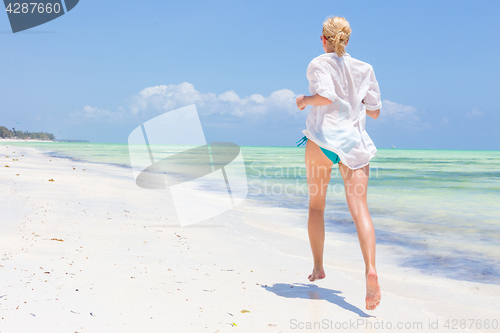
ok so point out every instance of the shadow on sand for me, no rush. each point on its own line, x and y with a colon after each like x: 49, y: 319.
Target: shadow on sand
x: 311, y: 291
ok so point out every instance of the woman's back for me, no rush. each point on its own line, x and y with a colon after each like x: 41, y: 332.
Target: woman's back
x: 351, y: 77
x: 340, y: 126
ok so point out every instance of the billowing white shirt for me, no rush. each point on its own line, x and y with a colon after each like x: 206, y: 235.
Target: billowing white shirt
x: 340, y: 126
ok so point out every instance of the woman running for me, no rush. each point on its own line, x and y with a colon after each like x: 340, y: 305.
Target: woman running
x: 343, y: 91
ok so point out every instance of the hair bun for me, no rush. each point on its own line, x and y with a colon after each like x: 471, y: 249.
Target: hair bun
x: 338, y: 30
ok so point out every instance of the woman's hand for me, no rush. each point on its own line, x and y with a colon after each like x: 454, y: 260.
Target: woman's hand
x: 318, y: 100
x: 301, y: 103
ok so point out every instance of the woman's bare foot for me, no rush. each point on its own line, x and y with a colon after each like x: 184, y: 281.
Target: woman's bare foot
x: 373, y: 295
x: 317, y: 274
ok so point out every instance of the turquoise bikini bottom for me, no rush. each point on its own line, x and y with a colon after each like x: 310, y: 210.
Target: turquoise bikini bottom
x: 330, y: 154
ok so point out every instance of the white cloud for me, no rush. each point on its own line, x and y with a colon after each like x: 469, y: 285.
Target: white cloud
x: 94, y: 113
x: 152, y: 101
x: 402, y: 115
x: 395, y: 109
x: 475, y: 112
x: 157, y: 99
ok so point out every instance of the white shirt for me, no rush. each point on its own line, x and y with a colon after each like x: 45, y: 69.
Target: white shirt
x: 340, y: 126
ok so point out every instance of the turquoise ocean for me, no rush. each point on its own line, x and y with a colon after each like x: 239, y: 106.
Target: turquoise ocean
x: 441, y: 208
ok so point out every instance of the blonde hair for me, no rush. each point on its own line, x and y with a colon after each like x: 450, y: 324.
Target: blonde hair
x: 337, y: 32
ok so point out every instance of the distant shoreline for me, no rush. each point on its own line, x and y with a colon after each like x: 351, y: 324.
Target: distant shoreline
x: 24, y: 140
x: 38, y: 140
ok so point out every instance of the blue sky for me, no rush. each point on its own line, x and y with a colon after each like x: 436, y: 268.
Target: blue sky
x: 102, y: 69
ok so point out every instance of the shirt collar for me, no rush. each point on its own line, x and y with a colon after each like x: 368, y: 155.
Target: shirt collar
x: 334, y: 54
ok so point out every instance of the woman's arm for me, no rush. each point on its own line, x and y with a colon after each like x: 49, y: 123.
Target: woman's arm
x: 303, y: 101
x: 373, y: 113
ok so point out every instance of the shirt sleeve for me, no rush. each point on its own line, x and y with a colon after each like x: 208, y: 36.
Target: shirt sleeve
x: 372, y: 98
x: 320, y: 80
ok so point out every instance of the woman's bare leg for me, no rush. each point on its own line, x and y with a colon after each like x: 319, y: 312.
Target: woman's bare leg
x: 356, y: 185
x: 319, y: 168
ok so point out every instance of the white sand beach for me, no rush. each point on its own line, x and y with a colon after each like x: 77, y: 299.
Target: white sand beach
x: 92, y: 252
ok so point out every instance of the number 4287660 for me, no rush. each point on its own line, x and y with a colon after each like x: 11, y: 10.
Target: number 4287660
x: 455, y: 324
x: 33, y: 7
